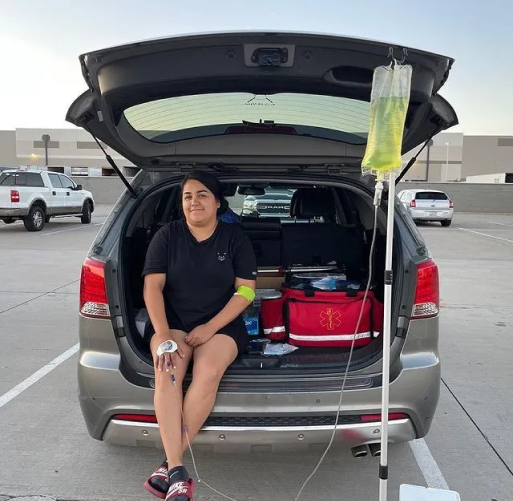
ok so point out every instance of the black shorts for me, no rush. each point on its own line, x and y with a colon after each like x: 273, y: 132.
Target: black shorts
x: 236, y: 329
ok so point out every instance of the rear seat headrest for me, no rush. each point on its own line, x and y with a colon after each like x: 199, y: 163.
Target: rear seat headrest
x: 249, y: 223
x: 312, y: 202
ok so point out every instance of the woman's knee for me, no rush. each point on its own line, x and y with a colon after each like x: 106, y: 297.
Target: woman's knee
x: 208, y: 372
x: 173, y: 378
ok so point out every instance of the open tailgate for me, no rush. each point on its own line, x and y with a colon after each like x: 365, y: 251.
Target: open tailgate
x: 124, y: 82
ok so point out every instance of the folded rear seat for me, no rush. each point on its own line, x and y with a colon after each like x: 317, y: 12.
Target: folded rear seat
x: 316, y: 243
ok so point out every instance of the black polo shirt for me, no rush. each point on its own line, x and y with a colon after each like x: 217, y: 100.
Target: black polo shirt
x: 200, y: 276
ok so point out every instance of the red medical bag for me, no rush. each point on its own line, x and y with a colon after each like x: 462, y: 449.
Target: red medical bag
x: 322, y: 318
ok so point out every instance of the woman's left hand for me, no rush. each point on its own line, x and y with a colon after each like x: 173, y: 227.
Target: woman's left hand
x: 200, y: 335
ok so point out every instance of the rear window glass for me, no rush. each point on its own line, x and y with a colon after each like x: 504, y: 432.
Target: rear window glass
x: 185, y: 117
x: 430, y: 195
x: 31, y: 179
x: 7, y: 179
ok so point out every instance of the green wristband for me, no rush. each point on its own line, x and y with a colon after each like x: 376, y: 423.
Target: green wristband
x: 246, y: 292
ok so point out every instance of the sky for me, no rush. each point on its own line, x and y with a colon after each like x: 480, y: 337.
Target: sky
x: 41, y: 40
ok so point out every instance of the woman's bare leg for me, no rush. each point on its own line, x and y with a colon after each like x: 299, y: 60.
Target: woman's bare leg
x: 210, y: 363
x: 168, y: 403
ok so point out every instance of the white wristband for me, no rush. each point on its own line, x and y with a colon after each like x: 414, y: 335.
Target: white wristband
x: 168, y: 346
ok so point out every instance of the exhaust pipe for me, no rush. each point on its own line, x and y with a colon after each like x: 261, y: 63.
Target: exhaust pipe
x: 375, y: 450
x: 359, y: 451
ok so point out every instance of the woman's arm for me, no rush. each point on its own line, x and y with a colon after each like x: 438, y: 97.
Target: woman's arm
x: 235, y: 306
x: 154, y: 300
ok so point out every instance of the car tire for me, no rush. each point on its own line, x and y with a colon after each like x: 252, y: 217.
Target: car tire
x: 446, y: 222
x: 35, y: 221
x: 86, y: 213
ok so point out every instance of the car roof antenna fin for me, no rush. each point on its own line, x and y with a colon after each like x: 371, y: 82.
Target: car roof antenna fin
x: 129, y: 187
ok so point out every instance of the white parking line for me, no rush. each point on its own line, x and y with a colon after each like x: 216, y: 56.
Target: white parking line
x: 70, y: 229
x: 427, y: 464
x: 34, y: 378
x: 501, y: 224
x: 486, y: 235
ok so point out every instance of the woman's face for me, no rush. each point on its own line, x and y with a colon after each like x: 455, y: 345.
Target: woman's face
x: 199, y: 204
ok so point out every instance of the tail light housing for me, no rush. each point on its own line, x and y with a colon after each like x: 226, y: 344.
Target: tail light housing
x: 15, y: 196
x: 93, y: 293
x: 451, y: 204
x: 137, y: 418
x: 413, y: 203
x: 427, y: 292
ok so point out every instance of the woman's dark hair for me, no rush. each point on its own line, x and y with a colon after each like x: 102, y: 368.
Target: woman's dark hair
x: 211, y: 183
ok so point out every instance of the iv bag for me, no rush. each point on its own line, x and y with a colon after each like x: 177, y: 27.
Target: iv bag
x: 390, y: 97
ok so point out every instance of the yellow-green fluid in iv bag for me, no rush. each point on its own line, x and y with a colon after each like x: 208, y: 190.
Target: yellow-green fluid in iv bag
x: 389, y: 103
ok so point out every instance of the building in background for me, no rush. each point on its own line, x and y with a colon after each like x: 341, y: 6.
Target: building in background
x: 450, y: 157
x: 440, y: 161
x: 69, y: 151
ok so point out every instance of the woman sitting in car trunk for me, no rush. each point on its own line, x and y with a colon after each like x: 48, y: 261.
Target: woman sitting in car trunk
x: 199, y: 277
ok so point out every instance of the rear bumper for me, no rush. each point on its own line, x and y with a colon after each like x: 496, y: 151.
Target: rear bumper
x: 243, y: 419
x: 431, y: 215
x: 5, y: 213
x: 105, y: 393
x: 273, y: 439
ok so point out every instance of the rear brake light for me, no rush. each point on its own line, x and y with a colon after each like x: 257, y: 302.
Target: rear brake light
x: 451, y: 204
x: 413, y: 203
x: 141, y: 418
x: 15, y: 196
x: 93, y: 295
x: 427, y: 293
x: 392, y: 416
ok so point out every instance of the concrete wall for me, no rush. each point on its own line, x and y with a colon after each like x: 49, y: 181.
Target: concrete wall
x: 485, y: 198
x: 105, y: 190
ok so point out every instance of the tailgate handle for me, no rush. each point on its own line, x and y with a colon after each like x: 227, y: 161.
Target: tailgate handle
x: 274, y: 57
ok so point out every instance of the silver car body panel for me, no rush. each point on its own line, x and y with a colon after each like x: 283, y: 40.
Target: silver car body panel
x: 414, y: 391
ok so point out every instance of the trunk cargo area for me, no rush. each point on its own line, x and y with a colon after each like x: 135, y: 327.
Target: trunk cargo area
x: 333, y: 241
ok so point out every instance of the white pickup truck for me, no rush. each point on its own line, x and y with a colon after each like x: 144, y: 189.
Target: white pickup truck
x: 36, y: 196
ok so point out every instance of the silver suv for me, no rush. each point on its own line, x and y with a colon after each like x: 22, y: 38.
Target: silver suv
x: 428, y: 205
x: 278, y: 111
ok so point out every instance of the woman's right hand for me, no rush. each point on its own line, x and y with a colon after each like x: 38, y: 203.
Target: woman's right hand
x: 166, y: 360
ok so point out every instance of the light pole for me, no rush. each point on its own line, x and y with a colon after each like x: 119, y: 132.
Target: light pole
x: 46, y: 140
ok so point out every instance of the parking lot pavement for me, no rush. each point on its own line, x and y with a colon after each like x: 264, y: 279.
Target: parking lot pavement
x: 45, y: 449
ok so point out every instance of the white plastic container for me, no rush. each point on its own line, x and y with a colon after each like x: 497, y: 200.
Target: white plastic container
x: 417, y: 493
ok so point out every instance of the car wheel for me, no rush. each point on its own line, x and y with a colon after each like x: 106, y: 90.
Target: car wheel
x: 35, y: 221
x: 86, y: 213
x: 446, y: 222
